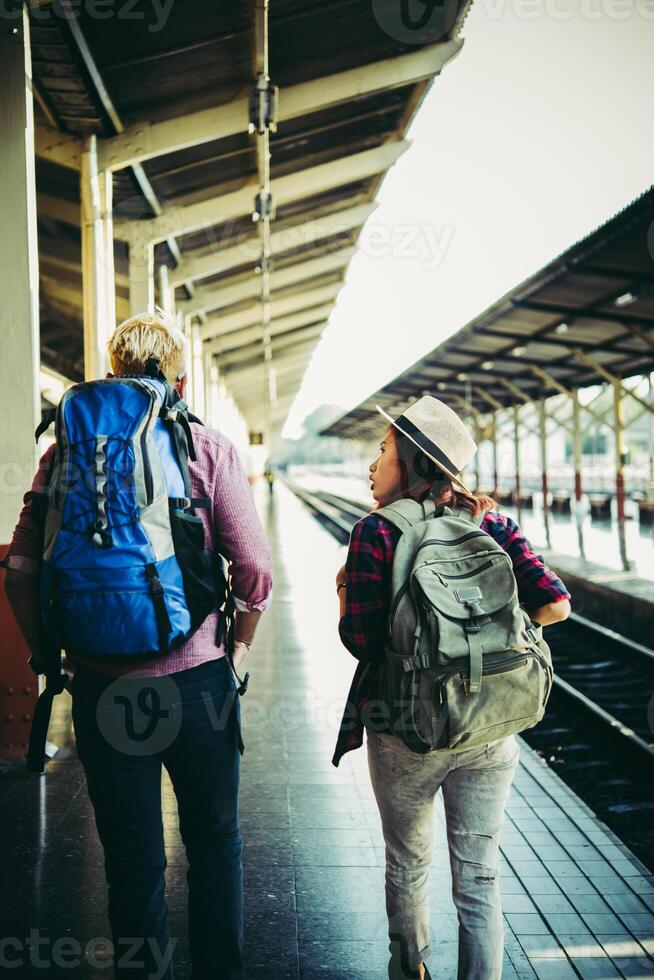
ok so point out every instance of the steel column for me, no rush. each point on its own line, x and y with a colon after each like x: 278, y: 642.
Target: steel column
x: 494, y: 444
x: 542, y: 419
x: 650, y: 437
x: 619, y: 447
x: 516, y: 456
x: 576, y: 455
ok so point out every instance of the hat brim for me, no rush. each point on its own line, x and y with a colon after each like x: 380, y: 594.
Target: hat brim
x: 448, y: 473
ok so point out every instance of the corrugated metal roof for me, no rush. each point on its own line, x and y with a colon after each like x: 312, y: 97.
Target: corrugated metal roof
x: 597, y: 297
x: 201, y: 58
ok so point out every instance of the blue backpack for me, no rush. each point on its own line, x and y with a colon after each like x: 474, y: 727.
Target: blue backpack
x: 125, y: 575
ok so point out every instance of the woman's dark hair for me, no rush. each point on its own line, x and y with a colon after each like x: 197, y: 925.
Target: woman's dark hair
x: 420, y: 477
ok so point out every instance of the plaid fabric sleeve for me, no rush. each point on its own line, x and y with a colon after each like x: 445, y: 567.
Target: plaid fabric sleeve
x: 24, y: 552
x: 538, y: 585
x: 367, y: 572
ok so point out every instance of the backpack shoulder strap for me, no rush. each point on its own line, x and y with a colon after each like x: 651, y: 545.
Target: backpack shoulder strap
x: 406, y: 513
x: 464, y: 514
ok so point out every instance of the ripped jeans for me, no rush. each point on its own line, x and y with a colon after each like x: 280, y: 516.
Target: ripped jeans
x: 475, y: 784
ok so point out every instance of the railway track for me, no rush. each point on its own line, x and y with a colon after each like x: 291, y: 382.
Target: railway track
x: 597, y: 732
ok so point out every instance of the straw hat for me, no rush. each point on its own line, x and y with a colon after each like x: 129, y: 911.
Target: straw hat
x: 439, y: 433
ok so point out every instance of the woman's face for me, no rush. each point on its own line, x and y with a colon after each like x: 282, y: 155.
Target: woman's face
x: 385, y: 471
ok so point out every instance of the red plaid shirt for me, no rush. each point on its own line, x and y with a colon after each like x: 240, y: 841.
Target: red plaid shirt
x: 231, y: 527
x: 363, y: 628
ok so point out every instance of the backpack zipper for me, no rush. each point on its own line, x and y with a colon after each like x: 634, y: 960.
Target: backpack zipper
x: 480, y: 568
x: 401, y: 592
x: 454, y: 541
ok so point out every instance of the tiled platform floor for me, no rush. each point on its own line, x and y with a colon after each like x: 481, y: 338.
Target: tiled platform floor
x: 577, y: 904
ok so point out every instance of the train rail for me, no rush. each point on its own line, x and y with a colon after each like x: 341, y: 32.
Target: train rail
x: 597, y: 732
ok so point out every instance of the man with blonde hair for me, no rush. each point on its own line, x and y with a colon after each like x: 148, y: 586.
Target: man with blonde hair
x: 147, y: 335
x: 185, y: 701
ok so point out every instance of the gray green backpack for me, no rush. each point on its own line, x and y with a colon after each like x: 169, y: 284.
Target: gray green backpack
x: 464, y: 664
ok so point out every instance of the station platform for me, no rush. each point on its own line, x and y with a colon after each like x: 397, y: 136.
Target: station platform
x: 577, y: 903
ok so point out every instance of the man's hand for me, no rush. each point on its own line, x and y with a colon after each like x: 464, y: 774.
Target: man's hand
x: 340, y: 576
x: 240, y: 651
x: 23, y: 595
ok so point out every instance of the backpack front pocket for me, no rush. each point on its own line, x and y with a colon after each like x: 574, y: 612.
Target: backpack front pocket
x: 513, y: 694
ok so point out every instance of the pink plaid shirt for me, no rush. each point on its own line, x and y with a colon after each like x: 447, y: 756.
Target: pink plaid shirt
x: 231, y: 526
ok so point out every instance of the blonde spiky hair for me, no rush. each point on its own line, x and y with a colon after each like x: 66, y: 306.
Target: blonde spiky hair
x: 145, y: 335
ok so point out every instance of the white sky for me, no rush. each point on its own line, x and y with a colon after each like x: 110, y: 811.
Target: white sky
x: 537, y: 132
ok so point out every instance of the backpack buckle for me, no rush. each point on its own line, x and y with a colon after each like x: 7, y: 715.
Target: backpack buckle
x: 420, y: 661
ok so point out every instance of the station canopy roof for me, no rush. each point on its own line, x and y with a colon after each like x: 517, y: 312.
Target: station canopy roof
x: 596, y: 299
x: 168, y: 100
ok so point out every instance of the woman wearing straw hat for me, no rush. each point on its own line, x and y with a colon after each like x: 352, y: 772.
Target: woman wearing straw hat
x: 421, y: 455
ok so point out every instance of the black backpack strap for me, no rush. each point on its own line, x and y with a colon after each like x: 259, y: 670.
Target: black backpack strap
x: 158, y: 594
x: 55, y: 682
x: 186, y: 503
x: 152, y: 369
x: 47, y: 419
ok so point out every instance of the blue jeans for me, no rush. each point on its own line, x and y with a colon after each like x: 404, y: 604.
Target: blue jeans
x: 475, y: 785
x: 125, y: 729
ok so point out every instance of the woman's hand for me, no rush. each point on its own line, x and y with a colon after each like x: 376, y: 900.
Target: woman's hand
x: 553, y: 612
x: 340, y: 576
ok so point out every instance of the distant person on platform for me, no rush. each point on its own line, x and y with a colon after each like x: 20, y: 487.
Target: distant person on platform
x: 269, y: 474
x: 202, y: 758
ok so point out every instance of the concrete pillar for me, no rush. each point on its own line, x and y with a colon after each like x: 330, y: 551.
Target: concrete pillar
x: 166, y: 292
x: 97, y: 260
x: 19, y: 364
x: 197, y: 369
x: 106, y: 190
x: 141, y: 275
x: 213, y: 404
x: 19, y: 274
x: 542, y: 419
